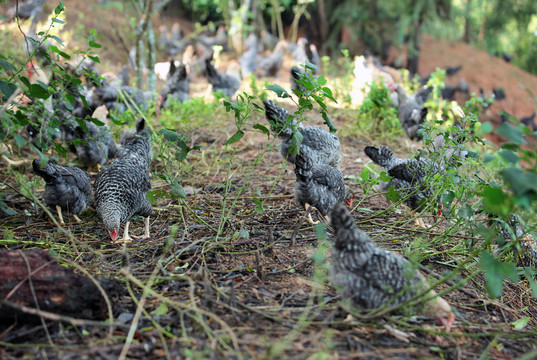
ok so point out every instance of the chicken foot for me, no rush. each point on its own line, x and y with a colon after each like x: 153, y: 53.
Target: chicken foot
x: 128, y: 238
x: 310, y: 219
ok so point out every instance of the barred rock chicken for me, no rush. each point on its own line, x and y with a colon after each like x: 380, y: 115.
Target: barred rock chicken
x: 271, y: 65
x: 117, y: 96
x: 408, y: 177
x: 120, y: 188
x: 228, y: 83
x: 318, y: 185
x: 219, y: 39
x: 247, y: 60
x: 324, y: 146
x: 372, y: 277
x: 129, y: 135
x: 67, y: 188
x: 95, y: 146
x: 177, y: 85
x: 411, y: 113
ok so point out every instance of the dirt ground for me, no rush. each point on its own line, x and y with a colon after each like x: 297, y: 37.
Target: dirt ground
x: 248, y: 291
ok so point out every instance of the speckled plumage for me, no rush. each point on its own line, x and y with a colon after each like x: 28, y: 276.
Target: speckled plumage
x: 120, y: 188
x: 322, y: 146
x: 177, y: 85
x: 96, y: 145
x: 370, y: 276
x: 408, y: 175
x: 411, y: 113
x: 319, y: 185
x: 68, y: 187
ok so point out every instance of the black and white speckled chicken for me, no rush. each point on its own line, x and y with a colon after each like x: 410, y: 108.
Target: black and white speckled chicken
x: 271, y: 65
x: 177, y: 85
x: 228, y: 83
x: 318, y: 185
x: 372, y: 277
x: 67, y: 188
x: 411, y: 112
x: 408, y: 176
x: 219, y: 39
x: 247, y: 60
x: 96, y: 145
x: 120, y: 188
x: 324, y: 145
x: 130, y: 134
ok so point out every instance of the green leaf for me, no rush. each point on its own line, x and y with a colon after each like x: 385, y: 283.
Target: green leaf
x: 58, y: 51
x: 58, y: 9
x: 510, y: 132
x: 296, y: 141
x: 496, y: 272
x: 56, y: 20
x: 509, y: 156
x: 521, y: 182
x: 447, y: 197
x: 38, y: 91
x: 95, y: 58
x: 58, y: 40
x: 263, y: 129
x: 322, y: 82
x: 96, y: 122
x: 329, y: 123
x: 6, y: 210
x: 7, y: 89
x: 383, y: 176
x: 176, y: 190
x: 7, y: 65
x: 486, y: 127
x: 259, y: 206
x: 392, y: 194
x: 171, y: 135
x: 488, y: 158
x: 235, y: 137
x: 281, y: 92
x: 19, y: 140
x: 95, y: 44
x: 521, y: 323
x: 161, y: 310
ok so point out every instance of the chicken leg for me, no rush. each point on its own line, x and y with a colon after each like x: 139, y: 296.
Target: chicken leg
x: 146, y: 223
x: 59, y: 211
x: 77, y: 219
x: 126, y: 237
x: 310, y: 219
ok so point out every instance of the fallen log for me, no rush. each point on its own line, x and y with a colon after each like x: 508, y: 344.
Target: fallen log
x: 32, y: 279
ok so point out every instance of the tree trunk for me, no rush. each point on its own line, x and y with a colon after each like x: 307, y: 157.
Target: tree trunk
x: 467, y: 23
x: 323, y: 28
x: 141, y: 28
x: 414, y: 48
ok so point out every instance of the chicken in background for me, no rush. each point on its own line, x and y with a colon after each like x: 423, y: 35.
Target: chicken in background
x: 318, y: 185
x: 408, y: 177
x: 129, y: 135
x: 247, y: 60
x: 227, y: 83
x: 96, y: 145
x: 177, y: 85
x: 271, y: 65
x: 219, y: 39
x: 411, y: 111
x: 325, y: 147
x: 302, y: 54
x: 67, y: 188
x: 372, y: 277
x: 120, y: 189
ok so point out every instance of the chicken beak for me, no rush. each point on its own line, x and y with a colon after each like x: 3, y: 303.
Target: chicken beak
x: 447, y: 320
x: 113, y: 234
